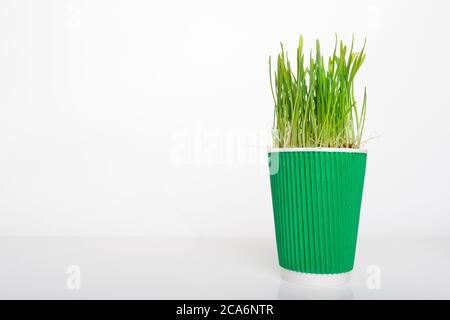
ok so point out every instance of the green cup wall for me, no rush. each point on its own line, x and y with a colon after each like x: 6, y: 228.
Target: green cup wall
x: 316, y: 199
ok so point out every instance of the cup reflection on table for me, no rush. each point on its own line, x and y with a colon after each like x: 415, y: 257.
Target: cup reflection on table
x: 290, y: 291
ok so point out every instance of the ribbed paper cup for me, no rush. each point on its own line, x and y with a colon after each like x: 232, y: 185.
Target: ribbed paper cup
x: 316, y: 197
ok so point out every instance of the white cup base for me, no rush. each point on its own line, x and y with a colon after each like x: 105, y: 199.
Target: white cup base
x: 314, y: 279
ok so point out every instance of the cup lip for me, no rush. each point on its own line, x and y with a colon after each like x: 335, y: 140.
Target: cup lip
x: 317, y: 149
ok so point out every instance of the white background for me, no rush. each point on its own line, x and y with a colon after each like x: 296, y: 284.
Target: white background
x: 95, y: 95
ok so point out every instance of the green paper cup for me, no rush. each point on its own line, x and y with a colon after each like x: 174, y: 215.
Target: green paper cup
x: 316, y: 198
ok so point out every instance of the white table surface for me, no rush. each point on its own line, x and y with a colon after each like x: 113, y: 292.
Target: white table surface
x: 149, y: 268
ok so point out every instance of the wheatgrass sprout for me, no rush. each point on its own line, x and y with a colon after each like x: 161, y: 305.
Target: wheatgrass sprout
x: 315, y: 105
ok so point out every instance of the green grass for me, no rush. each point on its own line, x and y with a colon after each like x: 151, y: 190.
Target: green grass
x: 315, y: 105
